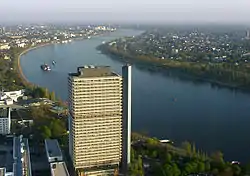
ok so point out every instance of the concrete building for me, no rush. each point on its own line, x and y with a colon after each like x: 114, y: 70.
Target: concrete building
x: 59, y: 169
x: 14, y: 95
x: 6, y: 158
x: 15, y: 158
x: 55, y: 158
x: 21, y: 156
x: 53, y: 151
x: 5, y: 121
x: 248, y: 34
x: 126, y: 116
x: 96, y: 120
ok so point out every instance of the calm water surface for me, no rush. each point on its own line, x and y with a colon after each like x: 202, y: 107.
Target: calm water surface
x: 213, y: 118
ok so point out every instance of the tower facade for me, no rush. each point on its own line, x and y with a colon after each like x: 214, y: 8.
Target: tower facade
x: 126, y: 116
x: 248, y: 34
x: 95, y: 120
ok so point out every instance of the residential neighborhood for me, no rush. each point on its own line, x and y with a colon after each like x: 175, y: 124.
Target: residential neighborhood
x: 193, y: 45
x: 22, y: 36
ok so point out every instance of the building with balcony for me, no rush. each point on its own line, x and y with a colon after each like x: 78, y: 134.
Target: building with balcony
x: 96, y: 119
x: 5, y: 121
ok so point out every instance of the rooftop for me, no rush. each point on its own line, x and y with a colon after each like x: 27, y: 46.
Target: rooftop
x: 59, y: 169
x: 4, y: 112
x: 52, y: 148
x: 6, y: 156
x: 93, y: 71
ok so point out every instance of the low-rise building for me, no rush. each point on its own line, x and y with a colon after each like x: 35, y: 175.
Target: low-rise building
x: 14, y: 95
x: 4, y: 46
x: 55, y: 158
x: 21, y: 156
x: 53, y: 151
x: 6, y: 158
x: 5, y: 121
x: 8, y: 101
x: 15, y: 158
x: 59, y: 169
x: 6, y: 57
x: 21, y: 45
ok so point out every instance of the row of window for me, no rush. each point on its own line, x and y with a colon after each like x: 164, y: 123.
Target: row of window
x: 97, y: 105
x: 103, y: 83
x: 96, y: 109
x: 95, y: 80
x: 91, y: 114
x: 101, y: 115
x: 98, y: 156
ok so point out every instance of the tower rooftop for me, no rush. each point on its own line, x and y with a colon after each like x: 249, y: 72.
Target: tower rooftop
x: 89, y: 71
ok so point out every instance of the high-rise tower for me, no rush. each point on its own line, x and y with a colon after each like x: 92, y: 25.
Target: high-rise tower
x: 97, y: 119
x: 126, y: 116
x: 248, y: 34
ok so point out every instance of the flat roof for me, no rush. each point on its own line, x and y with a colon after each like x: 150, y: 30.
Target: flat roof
x: 18, y: 155
x: 4, y: 112
x: 93, y: 71
x: 52, y: 148
x: 59, y: 169
x: 6, y: 156
x: 2, y: 171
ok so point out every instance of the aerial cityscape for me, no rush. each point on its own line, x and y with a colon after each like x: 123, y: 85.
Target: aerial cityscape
x: 101, y: 89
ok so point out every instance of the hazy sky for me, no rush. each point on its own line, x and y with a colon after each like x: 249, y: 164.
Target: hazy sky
x: 226, y: 11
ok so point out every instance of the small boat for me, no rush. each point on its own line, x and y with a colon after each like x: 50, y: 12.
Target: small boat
x: 54, y: 62
x: 45, y: 67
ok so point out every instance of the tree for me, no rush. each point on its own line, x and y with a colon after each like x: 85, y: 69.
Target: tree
x: 45, y: 132
x: 154, y: 154
x: 47, y: 95
x: 215, y: 171
x: 171, y: 170
x: 187, y: 146
x: 201, y: 167
x: 168, y: 157
x: 136, y: 168
x: 193, y: 150
x: 37, y: 112
x: 217, y: 157
x: 57, y: 128
x: 132, y: 155
x: 53, y: 96
x: 236, y: 169
x: 207, y: 166
x: 152, y: 141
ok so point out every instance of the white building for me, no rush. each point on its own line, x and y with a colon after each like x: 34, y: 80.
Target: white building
x: 6, y: 57
x: 4, y: 47
x: 14, y: 95
x: 21, y: 45
x: 5, y: 121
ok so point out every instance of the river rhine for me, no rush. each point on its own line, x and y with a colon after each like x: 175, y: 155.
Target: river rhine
x: 213, y: 118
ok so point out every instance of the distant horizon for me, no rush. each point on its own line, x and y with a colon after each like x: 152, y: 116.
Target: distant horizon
x: 129, y: 11
x: 126, y: 23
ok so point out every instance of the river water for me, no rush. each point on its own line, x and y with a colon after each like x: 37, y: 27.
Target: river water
x: 162, y: 106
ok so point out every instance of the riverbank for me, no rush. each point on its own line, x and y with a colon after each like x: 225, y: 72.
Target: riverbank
x: 220, y: 77
x: 21, y: 75
x: 19, y: 68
